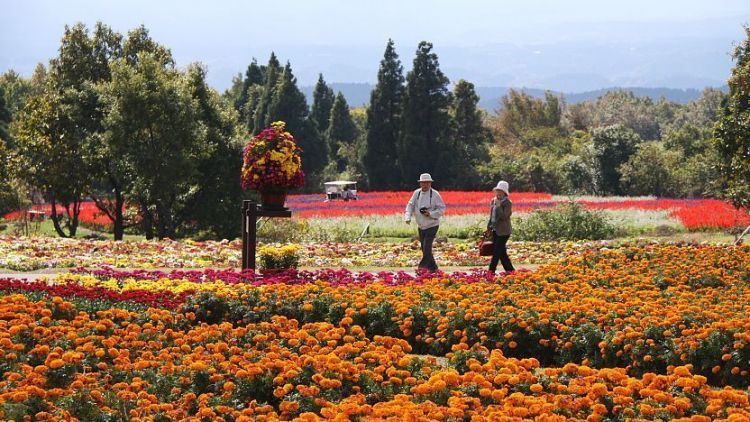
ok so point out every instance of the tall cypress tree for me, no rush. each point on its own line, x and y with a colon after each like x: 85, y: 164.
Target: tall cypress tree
x: 322, y: 103
x: 341, y: 132
x: 425, y: 124
x: 253, y: 76
x: 260, y: 119
x: 469, y: 138
x: 289, y: 104
x: 384, y: 122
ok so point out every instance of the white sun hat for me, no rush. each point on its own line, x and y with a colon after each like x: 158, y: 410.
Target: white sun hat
x: 425, y: 177
x: 503, y: 186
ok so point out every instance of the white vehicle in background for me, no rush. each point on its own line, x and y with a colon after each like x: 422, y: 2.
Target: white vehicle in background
x: 341, y: 189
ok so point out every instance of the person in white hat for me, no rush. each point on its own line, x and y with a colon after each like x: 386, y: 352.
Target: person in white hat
x: 427, y: 206
x: 500, y: 226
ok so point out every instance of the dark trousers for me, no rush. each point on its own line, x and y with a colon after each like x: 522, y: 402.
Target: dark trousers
x: 426, y: 237
x: 500, y: 253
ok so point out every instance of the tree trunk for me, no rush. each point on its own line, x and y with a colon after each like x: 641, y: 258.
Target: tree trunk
x: 55, y: 219
x: 119, y: 223
x: 148, y: 221
x: 116, y: 213
x: 73, y: 219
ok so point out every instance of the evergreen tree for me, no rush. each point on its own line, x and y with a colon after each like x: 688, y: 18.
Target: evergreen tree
x: 470, y: 138
x: 341, y: 132
x: 732, y: 131
x: 383, y: 123
x: 260, y: 118
x: 289, y: 104
x: 253, y: 76
x: 425, y: 123
x: 248, y: 113
x: 322, y: 103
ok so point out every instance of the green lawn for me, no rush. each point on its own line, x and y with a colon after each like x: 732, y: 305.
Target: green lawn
x: 46, y: 228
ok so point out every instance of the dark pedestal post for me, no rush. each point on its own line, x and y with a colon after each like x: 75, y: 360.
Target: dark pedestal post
x: 250, y: 214
x: 249, y: 234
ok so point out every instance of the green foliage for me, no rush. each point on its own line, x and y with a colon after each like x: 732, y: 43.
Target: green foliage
x: 213, y: 207
x: 253, y: 77
x: 384, y: 123
x: 652, y: 170
x: 152, y: 124
x: 51, y: 152
x: 270, y: 79
x: 468, y: 145
x: 639, y: 114
x: 425, y: 124
x: 5, y: 117
x: 612, y: 147
x: 521, y: 112
x: 7, y: 196
x: 732, y: 131
x: 323, y: 98
x: 341, y: 133
x: 570, y: 221
x: 14, y: 90
x: 531, y: 172
x: 289, y: 105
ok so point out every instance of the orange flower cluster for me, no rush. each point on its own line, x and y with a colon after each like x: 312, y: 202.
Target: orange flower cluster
x: 640, y: 308
x: 59, y: 363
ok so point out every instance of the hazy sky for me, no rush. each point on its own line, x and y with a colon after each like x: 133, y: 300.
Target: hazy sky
x: 345, y: 38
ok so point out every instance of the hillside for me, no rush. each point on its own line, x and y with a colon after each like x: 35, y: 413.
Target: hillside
x: 358, y: 94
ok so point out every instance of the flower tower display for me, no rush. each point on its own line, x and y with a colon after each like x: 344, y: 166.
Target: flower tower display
x: 272, y: 165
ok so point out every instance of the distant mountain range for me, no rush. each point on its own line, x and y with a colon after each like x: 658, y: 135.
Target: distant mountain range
x: 358, y: 94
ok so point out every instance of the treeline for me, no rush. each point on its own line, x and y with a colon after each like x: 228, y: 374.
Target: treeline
x: 618, y: 144
x: 111, y: 118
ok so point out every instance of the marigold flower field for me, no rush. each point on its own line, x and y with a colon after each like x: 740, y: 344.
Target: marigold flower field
x: 607, y: 332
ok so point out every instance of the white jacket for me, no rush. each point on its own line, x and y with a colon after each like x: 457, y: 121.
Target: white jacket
x: 430, y: 200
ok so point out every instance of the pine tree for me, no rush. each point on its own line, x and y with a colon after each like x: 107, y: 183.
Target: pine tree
x: 322, y: 103
x: 732, y: 131
x: 289, y: 104
x: 470, y: 137
x: 341, y: 132
x: 253, y: 76
x: 384, y: 122
x: 271, y: 77
x: 425, y: 123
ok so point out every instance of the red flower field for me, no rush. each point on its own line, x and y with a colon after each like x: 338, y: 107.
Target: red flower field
x: 695, y: 214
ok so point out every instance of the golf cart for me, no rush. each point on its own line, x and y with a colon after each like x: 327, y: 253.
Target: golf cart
x: 341, y: 189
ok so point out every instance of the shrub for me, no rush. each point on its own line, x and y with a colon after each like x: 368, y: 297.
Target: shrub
x: 569, y: 221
